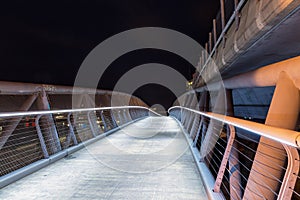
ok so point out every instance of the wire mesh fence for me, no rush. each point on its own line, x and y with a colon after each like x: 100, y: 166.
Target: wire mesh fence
x: 27, y: 137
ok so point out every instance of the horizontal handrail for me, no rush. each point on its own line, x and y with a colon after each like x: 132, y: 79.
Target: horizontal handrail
x: 222, y: 35
x: 281, y: 135
x: 26, y: 113
x: 30, y: 144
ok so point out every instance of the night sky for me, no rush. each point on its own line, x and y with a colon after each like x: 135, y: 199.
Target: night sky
x: 46, y: 41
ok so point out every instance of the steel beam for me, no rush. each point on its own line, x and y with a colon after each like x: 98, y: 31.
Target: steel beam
x: 263, y: 77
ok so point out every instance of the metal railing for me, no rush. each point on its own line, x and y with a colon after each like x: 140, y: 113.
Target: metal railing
x: 237, y: 28
x: 229, y: 13
x: 227, y: 147
x: 29, y: 137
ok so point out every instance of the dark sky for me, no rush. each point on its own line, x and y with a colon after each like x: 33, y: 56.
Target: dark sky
x: 46, y: 41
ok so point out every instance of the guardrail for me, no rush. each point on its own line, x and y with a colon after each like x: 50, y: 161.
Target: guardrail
x: 226, y: 147
x: 31, y: 140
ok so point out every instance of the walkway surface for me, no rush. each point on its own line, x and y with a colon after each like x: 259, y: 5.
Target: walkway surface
x: 149, y: 159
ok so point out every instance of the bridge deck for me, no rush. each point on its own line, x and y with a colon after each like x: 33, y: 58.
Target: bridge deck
x: 149, y: 159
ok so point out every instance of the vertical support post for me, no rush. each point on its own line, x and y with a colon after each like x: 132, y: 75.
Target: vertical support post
x: 128, y: 115
x: 202, y: 107
x: 203, y: 57
x: 186, y: 118
x: 182, y: 111
x: 194, y: 126
x: 124, y: 116
x: 103, y: 121
x: 91, y: 124
x: 237, y: 14
x: 206, y: 49
x: 41, y: 138
x: 71, y: 132
x: 120, y: 117
x: 189, y: 122
x: 215, y: 31
x: 90, y: 103
x: 133, y: 113
x: 233, y: 162
x: 290, y: 177
x: 185, y: 113
x: 215, y: 127
x: 222, y: 4
x: 51, y: 131
x: 225, y: 159
x: 178, y: 116
x: 210, y: 42
x: 198, y: 132
x: 113, y: 119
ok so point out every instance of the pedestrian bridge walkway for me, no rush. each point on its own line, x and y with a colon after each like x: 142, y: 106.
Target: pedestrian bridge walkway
x: 148, y: 159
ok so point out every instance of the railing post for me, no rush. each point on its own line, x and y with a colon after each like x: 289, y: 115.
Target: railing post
x: 206, y: 49
x: 290, y: 177
x: 210, y: 42
x: 120, y: 117
x: 225, y: 159
x: 113, y: 119
x: 71, y: 131
x: 41, y: 138
x: 185, y: 118
x: 222, y: 4
x: 134, y: 113
x: 196, y: 118
x: 198, y: 132
x: 182, y: 111
x: 190, y: 122
x: 237, y: 14
x: 91, y: 124
x: 103, y: 121
x: 233, y: 162
x: 178, y: 116
x: 51, y: 132
x: 215, y: 31
x: 124, y: 116
x: 128, y: 115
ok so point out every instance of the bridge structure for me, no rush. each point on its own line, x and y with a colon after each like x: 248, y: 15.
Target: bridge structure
x: 235, y: 135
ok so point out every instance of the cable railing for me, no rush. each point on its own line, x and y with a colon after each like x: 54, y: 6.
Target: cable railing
x: 27, y: 138
x: 240, y: 165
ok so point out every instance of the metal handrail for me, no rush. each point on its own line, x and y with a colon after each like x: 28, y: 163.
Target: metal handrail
x: 26, y: 113
x: 213, y: 148
x: 281, y: 135
x: 223, y: 33
x: 43, y: 138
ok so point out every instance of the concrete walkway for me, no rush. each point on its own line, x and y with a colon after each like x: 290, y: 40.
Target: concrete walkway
x: 149, y: 159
